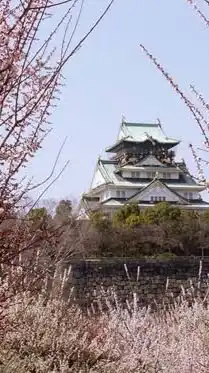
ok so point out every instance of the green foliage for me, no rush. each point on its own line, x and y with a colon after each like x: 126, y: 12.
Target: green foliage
x: 122, y: 215
x: 38, y: 214
x: 64, y: 210
x: 190, y: 215
x: 99, y: 220
x: 162, y: 212
x: 130, y: 215
x: 166, y: 256
x: 134, y: 220
x: 188, y: 233
x: 39, y: 218
x: 205, y: 216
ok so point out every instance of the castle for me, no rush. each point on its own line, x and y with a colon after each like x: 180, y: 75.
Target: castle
x: 143, y: 170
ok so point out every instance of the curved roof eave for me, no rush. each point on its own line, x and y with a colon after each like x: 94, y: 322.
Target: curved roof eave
x: 167, y: 142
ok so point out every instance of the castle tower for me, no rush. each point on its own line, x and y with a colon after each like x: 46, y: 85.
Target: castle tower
x: 142, y: 170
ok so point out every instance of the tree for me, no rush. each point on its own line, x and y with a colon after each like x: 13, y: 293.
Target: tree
x: 134, y: 220
x: 186, y: 234
x: 35, y: 45
x: 39, y: 218
x: 122, y: 214
x: 64, y: 211
x: 30, y: 80
x: 38, y: 214
x: 198, y: 105
x: 100, y: 221
x: 162, y: 212
x: 205, y: 216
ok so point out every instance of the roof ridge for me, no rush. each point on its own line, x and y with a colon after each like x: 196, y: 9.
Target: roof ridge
x: 108, y: 161
x: 141, y: 124
x: 103, y: 171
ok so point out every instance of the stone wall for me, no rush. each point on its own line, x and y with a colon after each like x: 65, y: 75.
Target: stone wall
x: 153, y: 281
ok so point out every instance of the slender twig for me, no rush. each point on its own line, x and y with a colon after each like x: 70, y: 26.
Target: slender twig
x: 49, y: 186
x: 52, y: 170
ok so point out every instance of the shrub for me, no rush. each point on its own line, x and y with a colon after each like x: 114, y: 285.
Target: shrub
x: 55, y: 337
x: 121, y: 215
x: 162, y: 212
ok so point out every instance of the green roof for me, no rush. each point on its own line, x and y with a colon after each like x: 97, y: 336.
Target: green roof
x: 107, y: 169
x: 141, y: 132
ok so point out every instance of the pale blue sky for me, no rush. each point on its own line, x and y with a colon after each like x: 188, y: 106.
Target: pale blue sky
x: 111, y: 77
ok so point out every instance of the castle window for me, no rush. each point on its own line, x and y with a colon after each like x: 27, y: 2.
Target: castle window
x: 166, y: 175
x: 135, y: 174
x: 157, y: 198
x: 151, y: 175
x: 120, y: 194
x: 190, y: 195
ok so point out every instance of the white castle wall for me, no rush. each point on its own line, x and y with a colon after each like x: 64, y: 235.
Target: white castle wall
x: 146, y: 174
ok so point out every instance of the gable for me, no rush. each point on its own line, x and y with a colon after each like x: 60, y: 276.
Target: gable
x: 150, y: 160
x: 98, y: 179
x: 112, y: 202
x: 159, y: 190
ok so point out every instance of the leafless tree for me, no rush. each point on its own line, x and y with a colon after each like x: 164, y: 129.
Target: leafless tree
x: 198, y: 105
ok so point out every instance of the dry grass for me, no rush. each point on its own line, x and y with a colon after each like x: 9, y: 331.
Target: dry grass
x: 53, y: 336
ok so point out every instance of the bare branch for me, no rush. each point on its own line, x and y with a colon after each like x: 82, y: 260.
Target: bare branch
x: 53, y: 168
x: 51, y: 183
x: 199, y: 12
x: 194, y: 110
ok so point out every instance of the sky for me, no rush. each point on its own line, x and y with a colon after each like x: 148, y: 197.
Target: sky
x: 110, y: 77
